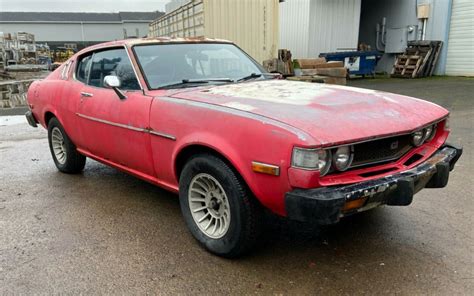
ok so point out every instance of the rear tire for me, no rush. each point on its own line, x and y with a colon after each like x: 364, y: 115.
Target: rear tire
x: 211, y: 192
x: 64, y: 153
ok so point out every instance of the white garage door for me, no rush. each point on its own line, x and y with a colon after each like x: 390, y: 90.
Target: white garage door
x: 460, y: 60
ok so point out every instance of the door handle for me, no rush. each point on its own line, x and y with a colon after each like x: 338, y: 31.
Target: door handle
x: 86, y: 94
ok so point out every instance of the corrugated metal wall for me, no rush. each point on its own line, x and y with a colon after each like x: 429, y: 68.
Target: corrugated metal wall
x: 333, y: 25
x: 251, y: 24
x: 460, y: 59
x: 294, y: 27
x: 309, y: 27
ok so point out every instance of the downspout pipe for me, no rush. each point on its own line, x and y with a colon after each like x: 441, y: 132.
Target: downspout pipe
x: 380, y: 32
x: 423, y: 31
x: 377, y: 34
x: 82, y: 33
x: 384, y: 31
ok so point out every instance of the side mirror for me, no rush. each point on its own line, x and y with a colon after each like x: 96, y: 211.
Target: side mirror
x: 113, y: 82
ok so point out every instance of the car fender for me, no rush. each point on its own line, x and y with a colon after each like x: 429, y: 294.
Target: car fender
x: 213, y: 142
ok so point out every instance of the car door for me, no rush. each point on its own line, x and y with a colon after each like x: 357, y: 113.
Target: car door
x: 112, y: 128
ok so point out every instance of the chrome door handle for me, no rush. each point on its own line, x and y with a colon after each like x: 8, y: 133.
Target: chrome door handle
x: 86, y: 94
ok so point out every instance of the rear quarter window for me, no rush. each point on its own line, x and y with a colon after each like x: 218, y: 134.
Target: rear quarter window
x: 65, y: 70
x: 83, y: 68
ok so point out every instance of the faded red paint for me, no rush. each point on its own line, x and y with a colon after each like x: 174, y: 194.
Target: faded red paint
x: 252, y: 121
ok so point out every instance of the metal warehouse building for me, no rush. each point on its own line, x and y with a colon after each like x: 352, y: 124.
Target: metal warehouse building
x: 310, y: 27
x: 82, y: 28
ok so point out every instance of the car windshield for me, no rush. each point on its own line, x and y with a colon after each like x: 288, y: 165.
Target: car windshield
x: 194, y: 64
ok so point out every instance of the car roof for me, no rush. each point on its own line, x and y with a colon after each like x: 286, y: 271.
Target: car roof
x: 152, y: 40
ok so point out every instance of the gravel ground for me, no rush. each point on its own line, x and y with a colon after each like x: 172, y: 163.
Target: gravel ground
x: 105, y: 232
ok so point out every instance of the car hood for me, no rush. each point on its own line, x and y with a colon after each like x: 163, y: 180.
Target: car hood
x: 331, y: 114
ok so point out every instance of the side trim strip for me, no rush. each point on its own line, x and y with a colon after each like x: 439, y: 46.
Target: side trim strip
x: 162, y: 135
x: 137, y: 129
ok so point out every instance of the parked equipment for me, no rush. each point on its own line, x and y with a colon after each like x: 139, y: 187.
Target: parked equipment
x: 357, y: 62
x: 61, y: 54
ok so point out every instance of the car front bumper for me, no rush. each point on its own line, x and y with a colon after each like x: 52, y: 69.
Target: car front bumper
x: 326, y: 205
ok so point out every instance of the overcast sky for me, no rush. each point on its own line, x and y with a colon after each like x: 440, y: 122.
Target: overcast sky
x: 83, y: 5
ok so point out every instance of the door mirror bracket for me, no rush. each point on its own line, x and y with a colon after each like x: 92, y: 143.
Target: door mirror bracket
x: 113, y: 82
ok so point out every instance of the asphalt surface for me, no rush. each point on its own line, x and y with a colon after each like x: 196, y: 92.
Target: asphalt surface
x: 105, y: 232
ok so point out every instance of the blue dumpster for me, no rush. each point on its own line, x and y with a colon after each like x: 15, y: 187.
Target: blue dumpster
x: 357, y: 62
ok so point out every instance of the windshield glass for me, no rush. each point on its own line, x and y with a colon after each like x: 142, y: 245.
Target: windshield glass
x: 170, y: 64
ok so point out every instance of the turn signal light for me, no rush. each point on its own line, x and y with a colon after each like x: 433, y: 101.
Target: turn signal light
x: 354, y: 204
x: 265, y: 168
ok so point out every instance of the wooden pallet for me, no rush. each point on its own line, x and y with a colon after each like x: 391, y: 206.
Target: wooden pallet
x: 406, y: 66
x: 419, y: 59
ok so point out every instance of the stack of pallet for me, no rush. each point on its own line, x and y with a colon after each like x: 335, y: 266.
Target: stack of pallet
x: 419, y: 59
x: 283, y: 64
x: 319, y: 70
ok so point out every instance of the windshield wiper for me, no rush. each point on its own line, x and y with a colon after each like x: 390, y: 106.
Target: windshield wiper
x: 251, y: 76
x: 187, y: 82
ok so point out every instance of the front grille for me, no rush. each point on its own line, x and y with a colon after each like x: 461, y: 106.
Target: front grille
x: 382, y: 150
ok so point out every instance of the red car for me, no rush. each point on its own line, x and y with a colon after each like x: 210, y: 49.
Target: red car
x: 202, y: 118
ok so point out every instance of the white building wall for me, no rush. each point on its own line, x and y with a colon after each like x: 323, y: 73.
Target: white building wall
x: 334, y: 26
x: 92, y: 32
x: 294, y: 27
x: 310, y: 27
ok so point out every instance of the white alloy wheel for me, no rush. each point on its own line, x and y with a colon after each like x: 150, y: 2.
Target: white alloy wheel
x: 59, y: 147
x: 209, y: 205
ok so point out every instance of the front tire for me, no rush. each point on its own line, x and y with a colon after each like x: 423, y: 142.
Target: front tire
x: 64, y: 153
x: 217, y: 206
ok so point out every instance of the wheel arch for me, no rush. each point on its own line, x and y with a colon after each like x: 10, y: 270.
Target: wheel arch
x: 197, y: 148
x: 47, y: 117
x: 186, y: 152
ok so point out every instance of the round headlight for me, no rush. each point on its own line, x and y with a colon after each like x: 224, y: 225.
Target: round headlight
x: 418, y: 137
x: 342, y: 158
x: 430, y: 133
x: 324, y: 161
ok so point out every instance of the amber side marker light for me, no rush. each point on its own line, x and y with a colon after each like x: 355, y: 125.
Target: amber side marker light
x: 264, y: 168
x: 354, y: 204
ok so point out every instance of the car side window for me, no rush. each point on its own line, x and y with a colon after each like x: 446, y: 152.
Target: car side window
x: 113, y: 62
x: 82, y: 71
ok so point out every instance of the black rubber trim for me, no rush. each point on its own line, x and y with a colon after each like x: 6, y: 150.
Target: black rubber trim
x: 31, y: 119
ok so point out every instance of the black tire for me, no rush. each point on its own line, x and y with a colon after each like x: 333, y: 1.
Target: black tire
x: 74, y: 162
x: 246, y: 213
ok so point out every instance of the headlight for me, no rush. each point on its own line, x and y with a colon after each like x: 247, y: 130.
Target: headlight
x: 324, y: 161
x: 430, y: 133
x: 312, y: 159
x: 418, y: 137
x: 342, y: 158
x: 425, y: 135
